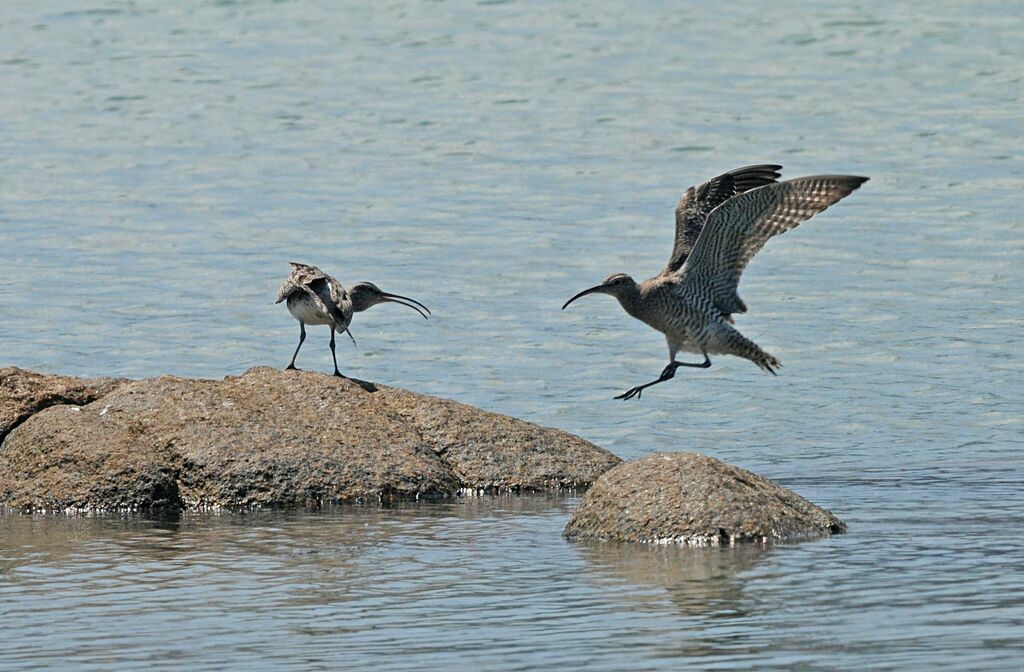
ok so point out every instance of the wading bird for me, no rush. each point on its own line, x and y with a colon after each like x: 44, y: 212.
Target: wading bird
x: 720, y: 226
x: 316, y: 298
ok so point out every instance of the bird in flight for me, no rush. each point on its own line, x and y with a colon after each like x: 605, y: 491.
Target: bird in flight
x: 316, y: 298
x: 720, y: 226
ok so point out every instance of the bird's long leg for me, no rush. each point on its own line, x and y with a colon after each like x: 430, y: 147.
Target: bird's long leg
x: 302, y: 337
x: 667, y: 374
x: 335, y: 356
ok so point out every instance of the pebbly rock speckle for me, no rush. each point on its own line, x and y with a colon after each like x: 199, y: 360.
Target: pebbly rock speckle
x: 267, y: 438
x: 25, y: 393
x: 691, y: 499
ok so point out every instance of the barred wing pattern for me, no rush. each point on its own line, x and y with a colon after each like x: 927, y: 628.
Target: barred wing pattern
x: 736, y: 230
x: 697, y: 202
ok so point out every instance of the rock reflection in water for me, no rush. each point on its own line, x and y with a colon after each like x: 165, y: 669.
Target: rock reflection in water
x: 333, y: 533
x: 698, y: 581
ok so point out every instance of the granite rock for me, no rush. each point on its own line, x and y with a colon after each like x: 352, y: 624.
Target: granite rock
x: 696, y: 500
x: 265, y: 438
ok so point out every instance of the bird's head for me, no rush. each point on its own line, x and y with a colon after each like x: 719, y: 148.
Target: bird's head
x: 366, y: 294
x: 619, y: 285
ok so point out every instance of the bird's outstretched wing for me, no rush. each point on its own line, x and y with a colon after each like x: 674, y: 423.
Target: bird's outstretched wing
x: 326, y: 293
x: 739, y: 227
x: 697, y: 202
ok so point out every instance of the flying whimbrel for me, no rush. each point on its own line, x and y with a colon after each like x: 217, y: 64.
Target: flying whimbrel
x: 316, y: 298
x: 720, y: 226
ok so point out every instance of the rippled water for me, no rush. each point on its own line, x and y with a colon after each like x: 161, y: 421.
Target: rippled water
x: 160, y: 162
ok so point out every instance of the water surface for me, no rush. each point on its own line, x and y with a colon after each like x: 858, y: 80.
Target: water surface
x: 160, y: 162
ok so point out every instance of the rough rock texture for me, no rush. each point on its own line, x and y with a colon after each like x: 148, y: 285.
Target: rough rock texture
x: 490, y: 451
x: 693, y: 499
x: 266, y: 438
x: 25, y: 393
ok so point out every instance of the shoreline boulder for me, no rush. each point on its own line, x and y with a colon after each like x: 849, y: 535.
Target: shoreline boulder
x: 694, y: 500
x: 264, y: 438
x: 25, y: 393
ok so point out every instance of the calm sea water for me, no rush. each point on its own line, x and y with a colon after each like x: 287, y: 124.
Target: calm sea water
x: 160, y: 162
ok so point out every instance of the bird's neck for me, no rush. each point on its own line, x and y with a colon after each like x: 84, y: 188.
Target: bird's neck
x: 631, y: 299
x: 359, y: 304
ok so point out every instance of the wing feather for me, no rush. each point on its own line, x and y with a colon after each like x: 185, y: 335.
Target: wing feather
x: 696, y: 204
x: 327, y: 294
x: 738, y: 228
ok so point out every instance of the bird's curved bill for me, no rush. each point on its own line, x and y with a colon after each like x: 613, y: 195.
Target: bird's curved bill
x: 583, y: 293
x: 406, y: 301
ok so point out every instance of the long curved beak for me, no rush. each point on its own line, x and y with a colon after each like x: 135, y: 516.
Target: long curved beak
x: 583, y: 293
x: 406, y: 301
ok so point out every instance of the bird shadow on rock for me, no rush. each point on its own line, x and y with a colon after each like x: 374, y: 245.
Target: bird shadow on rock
x: 365, y: 384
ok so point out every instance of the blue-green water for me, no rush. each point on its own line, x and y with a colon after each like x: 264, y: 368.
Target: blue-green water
x: 161, y: 162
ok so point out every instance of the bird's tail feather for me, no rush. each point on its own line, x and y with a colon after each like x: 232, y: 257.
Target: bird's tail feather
x: 767, y: 362
x: 741, y: 346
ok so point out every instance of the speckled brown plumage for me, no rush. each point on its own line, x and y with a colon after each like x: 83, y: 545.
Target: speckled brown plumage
x: 692, y: 300
x: 325, y: 294
x: 316, y: 298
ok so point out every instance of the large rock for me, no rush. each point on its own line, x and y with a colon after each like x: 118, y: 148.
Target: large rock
x: 270, y: 438
x: 25, y: 393
x: 693, y: 499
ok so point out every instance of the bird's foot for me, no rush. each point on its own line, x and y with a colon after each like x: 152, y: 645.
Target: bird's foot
x: 629, y: 394
x: 338, y: 374
x: 291, y: 367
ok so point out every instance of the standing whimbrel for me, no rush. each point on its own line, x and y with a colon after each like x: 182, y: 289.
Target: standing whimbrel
x: 720, y: 226
x: 316, y: 298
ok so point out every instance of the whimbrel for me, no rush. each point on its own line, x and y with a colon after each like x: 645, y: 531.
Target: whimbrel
x: 720, y: 226
x: 316, y: 298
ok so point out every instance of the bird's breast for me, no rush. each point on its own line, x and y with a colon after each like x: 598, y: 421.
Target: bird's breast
x: 673, y: 314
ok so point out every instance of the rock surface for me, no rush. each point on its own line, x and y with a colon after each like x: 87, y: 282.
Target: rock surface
x: 265, y: 438
x: 25, y: 393
x: 693, y: 499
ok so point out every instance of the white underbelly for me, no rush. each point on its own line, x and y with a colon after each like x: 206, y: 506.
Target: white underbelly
x: 688, y: 346
x: 305, y: 310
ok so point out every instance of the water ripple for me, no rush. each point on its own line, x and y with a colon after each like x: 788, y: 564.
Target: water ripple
x: 493, y: 158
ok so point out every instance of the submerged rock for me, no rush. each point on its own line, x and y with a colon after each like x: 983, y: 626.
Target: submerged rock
x: 693, y: 499
x: 266, y: 438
